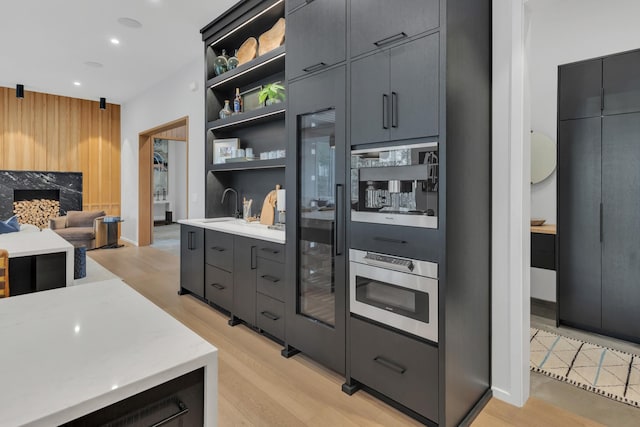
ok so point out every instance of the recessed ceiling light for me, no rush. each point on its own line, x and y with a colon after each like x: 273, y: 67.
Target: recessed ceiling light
x: 115, y: 41
x: 93, y: 64
x: 129, y: 22
x: 77, y: 83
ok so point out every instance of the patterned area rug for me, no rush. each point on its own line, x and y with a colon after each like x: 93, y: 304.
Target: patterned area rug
x: 611, y: 373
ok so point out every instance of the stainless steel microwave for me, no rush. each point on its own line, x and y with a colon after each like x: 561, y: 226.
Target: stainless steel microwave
x: 396, y: 185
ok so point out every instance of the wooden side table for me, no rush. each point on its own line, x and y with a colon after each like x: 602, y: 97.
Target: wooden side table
x: 112, y: 232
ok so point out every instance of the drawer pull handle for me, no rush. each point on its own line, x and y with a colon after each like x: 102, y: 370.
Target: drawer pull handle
x: 218, y: 286
x: 270, y: 251
x: 391, y: 39
x: 270, y: 278
x: 218, y: 248
x: 387, y: 240
x: 269, y: 315
x: 314, y: 67
x: 389, y: 365
x: 182, y: 411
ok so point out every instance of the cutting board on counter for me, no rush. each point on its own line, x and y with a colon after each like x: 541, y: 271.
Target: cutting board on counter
x: 267, y: 215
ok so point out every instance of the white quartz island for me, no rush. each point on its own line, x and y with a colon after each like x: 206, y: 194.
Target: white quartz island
x: 68, y: 352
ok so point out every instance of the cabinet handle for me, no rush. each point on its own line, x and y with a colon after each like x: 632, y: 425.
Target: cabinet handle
x: 391, y: 39
x: 182, y: 411
x: 389, y: 365
x: 385, y: 112
x: 270, y: 315
x: 218, y: 286
x: 190, y: 245
x: 387, y: 240
x: 601, y: 215
x: 338, y: 232
x: 308, y: 1
x: 394, y: 110
x: 218, y: 248
x: 270, y: 251
x: 314, y: 67
x: 254, y: 260
x: 270, y: 278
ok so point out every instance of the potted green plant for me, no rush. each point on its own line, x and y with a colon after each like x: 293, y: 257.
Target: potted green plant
x: 271, y: 93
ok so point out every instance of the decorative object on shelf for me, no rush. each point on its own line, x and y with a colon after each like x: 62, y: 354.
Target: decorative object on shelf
x: 220, y: 64
x: 272, y: 38
x: 247, y: 51
x: 269, y: 207
x: 537, y: 222
x: 224, y: 149
x: 233, y: 62
x: 272, y: 93
x: 237, y: 102
x: 226, y: 110
x: 250, y: 99
x: 246, y: 208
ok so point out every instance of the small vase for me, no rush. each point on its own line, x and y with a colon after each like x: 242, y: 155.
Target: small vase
x: 220, y: 65
x: 233, y: 61
x: 226, y: 110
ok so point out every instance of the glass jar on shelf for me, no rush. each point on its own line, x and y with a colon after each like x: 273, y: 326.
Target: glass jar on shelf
x: 226, y: 110
x: 220, y: 64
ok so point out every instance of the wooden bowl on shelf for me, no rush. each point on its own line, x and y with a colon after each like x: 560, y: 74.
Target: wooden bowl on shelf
x: 537, y: 222
x: 247, y: 51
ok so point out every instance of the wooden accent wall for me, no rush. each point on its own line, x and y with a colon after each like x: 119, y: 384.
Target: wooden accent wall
x: 45, y: 132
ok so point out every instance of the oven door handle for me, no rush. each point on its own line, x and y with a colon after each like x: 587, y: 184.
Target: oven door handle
x: 390, y: 365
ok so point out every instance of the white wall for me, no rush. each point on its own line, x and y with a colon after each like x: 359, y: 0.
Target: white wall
x: 562, y: 32
x: 178, y: 179
x: 167, y: 101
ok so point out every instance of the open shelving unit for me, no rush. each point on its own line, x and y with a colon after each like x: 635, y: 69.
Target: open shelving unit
x: 263, y: 128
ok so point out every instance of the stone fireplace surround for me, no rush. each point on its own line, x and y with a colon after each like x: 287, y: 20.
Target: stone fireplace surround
x: 68, y: 184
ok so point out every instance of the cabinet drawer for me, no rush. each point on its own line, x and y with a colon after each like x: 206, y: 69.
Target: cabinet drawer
x: 410, y: 242
x: 399, y: 367
x: 543, y: 251
x: 270, y: 315
x: 271, y: 251
x: 271, y: 278
x: 218, y: 287
x: 219, y: 249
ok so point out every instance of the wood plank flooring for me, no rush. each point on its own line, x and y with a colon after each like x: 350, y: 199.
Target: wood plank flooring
x: 258, y: 387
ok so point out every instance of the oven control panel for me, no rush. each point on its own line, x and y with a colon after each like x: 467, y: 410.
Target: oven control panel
x: 398, y: 262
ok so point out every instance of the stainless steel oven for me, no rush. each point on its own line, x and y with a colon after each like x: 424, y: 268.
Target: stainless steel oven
x: 395, y: 291
x: 396, y: 185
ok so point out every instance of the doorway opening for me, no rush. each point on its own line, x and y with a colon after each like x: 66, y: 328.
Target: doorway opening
x: 163, y: 178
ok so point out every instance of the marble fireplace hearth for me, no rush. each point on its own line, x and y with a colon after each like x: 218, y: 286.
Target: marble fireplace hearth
x: 67, y: 184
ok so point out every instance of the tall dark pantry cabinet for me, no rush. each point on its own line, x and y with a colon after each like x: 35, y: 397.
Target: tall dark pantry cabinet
x: 598, y: 195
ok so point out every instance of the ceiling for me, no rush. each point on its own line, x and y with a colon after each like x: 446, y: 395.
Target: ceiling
x: 45, y: 44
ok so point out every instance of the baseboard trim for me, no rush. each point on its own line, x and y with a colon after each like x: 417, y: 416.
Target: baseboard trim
x: 132, y: 242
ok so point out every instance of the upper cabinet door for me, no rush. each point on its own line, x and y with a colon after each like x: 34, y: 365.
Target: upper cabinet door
x: 621, y: 82
x: 580, y: 87
x: 370, y: 99
x: 379, y: 23
x: 414, y: 95
x: 316, y: 37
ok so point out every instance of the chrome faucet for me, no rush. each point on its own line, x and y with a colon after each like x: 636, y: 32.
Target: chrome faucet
x: 236, y: 214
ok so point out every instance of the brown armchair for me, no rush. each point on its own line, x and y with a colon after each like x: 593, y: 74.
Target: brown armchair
x: 81, y: 228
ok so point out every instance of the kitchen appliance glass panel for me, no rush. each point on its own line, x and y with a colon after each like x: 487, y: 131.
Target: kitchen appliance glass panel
x: 399, y: 292
x: 317, y: 216
x: 396, y: 185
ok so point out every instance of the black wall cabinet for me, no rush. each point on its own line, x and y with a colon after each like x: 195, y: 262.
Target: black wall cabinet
x: 379, y: 23
x: 395, y: 93
x: 598, y: 184
x: 316, y: 37
x: 192, y: 259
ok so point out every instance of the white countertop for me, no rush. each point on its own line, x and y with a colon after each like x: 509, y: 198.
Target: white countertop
x: 240, y: 227
x: 70, y: 351
x: 27, y: 243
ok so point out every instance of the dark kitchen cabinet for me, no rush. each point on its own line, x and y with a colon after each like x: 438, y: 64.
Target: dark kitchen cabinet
x: 580, y: 90
x: 395, y: 93
x: 621, y: 224
x: 218, y: 287
x: 621, y: 83
x: 579, y: 180
x: 192, y: 260
x: 219, y: 249
x: 316, y: 37
x: 244, y: 279
x: 378, y: 23
x: 543, y: 251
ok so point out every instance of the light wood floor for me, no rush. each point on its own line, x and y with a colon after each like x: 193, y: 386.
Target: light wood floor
x: 258, y: 387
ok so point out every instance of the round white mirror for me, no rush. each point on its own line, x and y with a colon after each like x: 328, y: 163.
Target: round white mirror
x: 543, y: 157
